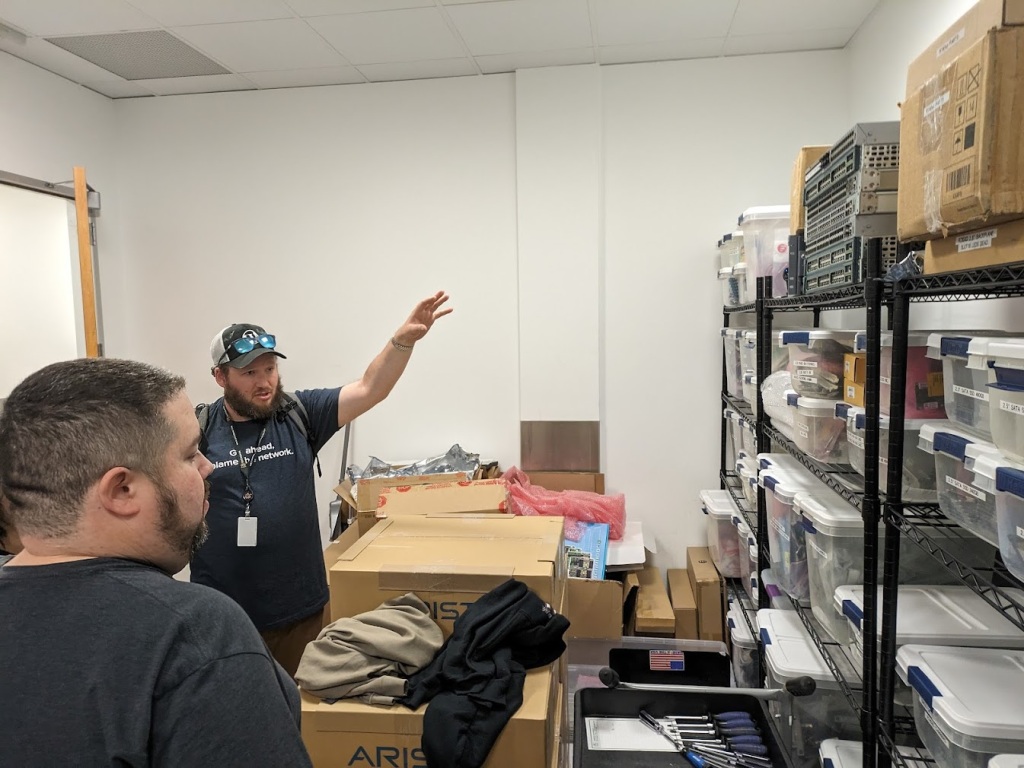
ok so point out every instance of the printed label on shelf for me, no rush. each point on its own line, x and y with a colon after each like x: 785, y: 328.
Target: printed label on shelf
x: 1017, y: 408
x: 936, y: 103
x: 805, y: 363
x: 968, y: 392
x: 855, y: 440
x: 956, y: 38
x: 975, y: 241
x: 968, y: 489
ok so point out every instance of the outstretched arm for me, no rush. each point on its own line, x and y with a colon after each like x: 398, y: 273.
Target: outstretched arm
x: 387, y: 367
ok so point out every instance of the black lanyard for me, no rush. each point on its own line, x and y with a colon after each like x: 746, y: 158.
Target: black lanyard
x: 243, y: 463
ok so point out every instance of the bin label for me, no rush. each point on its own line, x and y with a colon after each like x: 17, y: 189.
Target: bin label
x: 968, y: 392
x: 968, y: 489
x: 1017, y: 408
x: 805, y: 363
x: 1020, y: 532
x: 855, y: 440
x: 975, y: 241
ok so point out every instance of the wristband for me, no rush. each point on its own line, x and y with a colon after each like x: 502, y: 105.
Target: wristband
x: 401, y: 347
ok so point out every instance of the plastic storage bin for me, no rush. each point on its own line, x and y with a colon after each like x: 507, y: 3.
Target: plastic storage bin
x: 924, y: 392
x: 804, y: 721
x: 918, y: 465
x: 746, y: 468
x: 750, y: 390
x: 968, y: 702
x: 834, y: 535
x: 748, y: 352
x: 748, y: 438
x: 786, y: 545
x: 1006, y: 396
x: 776, y: 597
x: 723, y: 543
x: 766, y: 245
x: 964, y: 379
x: 739, y: 273
x: 842, y: 753
x: 816, y: 361
x: 1010, y: 518
x: 816, y: 430
x: 730, y: 439
x: 729, y: 286
x: 747, y: 542
x: 744, y: 648
x: 733, y: 370
x: 730, y: 249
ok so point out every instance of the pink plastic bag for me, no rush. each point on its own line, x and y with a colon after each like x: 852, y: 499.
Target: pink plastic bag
x: 575, y: 506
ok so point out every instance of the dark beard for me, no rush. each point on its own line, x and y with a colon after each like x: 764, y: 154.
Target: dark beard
x: 182, y: 538
x: 249, y: 410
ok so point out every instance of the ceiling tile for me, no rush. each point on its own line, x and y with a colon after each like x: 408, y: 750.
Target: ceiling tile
x: 741, y: 45
x: 757, y: 17
x: 254, y: 46
x: 298, y: 78
x: 180, y: 13
x: 621, y: 22
x: 74, y: 17
x: 418, y: 70
x: 121, y: 89
x: 522, y: 26
x: 663, y: 51
x: 329, y: 7
x: 170, y: 86
x: 510, y: 62
x: 390, y: 36
x: 57, y: 60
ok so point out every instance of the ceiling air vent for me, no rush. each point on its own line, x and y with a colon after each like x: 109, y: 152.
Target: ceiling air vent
x: 140, y: 55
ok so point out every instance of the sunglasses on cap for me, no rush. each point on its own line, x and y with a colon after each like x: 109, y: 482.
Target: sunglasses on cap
x: 246, y: 344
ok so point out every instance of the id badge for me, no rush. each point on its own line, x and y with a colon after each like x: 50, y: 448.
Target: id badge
x: 247, y: 531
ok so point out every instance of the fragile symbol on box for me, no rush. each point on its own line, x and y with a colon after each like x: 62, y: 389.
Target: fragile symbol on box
x: 667, y: 661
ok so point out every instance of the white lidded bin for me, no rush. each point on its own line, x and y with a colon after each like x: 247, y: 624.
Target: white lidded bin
x: 816, y: 360
x: 965, y: 378
x: 834, y: 535
x: 733, y: 369
x: 776, y: 597
x: 744, y: 648
x: 748, y: 436
x: 730, y: 436
x: 1006, y: 396
x: 786, y: 545
x: 968, y: 702
x: 766, y: 246
x: 804, y: 721
x: 746, y: 468
x: 986, y: 462
x: 1010, y: 518
x: 843, y: 753
x: 918, y: 465
x: 748, y: 352
x: 750, y: 390
x: 730, y: 287
x: 730, y: 249
x: 816, y: 429
x: 924, y: 393
x: 739, y: 274
x: 723, y: 543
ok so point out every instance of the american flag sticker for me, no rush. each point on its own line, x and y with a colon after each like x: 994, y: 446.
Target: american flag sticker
x: 667, y: 661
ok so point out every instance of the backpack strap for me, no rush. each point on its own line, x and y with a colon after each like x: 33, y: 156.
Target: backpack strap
x: 293, y: 409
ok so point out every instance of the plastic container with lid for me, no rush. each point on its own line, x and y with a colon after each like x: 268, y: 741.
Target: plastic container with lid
x: 746, y: 468
x: 730, y: 441
x: 730, y: 287
x: 842, y: 753
x: 816, y: 430
x: 775, y: 392
x: 750, y: 583
x: 918, y: 465
x: 739, y: 274
x: 786, y: 545
x: 834, y: 535
x: 766, y: 245
x: 733, y: 370
x: 804, y: 721
x: 748, y: 352
x: 968, y: 702
x: 816, y: 360
x: 1010, y: 518
x: 748, y: 437
x: 776, y: 597
x: 965, y: 377
x: 924, y: 393
x: 744, y: 648
x: 750, y: 390
x: 723, y: 543
x: 730, y: 249
x: 746, y: 540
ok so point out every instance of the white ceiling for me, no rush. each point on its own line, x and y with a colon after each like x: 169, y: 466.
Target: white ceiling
x: 295, y: 43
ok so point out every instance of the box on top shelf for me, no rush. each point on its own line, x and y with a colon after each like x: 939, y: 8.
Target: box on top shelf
x: 989, y: 246
x: 960, y: 142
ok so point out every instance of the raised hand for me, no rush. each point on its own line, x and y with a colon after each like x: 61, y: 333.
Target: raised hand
x: 422, y: 319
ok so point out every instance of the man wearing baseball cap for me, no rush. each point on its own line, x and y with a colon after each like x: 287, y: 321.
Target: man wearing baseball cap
x: 264, y: 546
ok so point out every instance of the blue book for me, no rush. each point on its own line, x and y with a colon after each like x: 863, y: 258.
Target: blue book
x: 586, y: 558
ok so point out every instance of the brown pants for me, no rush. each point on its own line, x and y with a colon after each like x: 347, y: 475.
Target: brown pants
x: 287, y: 644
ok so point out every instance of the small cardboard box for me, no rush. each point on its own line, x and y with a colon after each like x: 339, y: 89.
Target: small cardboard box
x: 594, y: 608
x: 709, y: 591
x: 568, y: 481
x: 961, y: 143
x: 855, y: 367
x: 991, y: 246
x: 466, y: 496
x: 449, y: 561
x: 964, y: 32
x: 805, y: 158
x: 684, y: 604
x: 363, y: 498
x: 853, y: 394
x: 654, y: 616
x: 349, y: 733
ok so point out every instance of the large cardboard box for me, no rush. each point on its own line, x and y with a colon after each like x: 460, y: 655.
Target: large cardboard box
x: 961, y: 143
x: 466, y: 496
x: 684, y: 604
x: 805, y: 158
x: 568, y: 481
x: 348, y: 733
x: 709, y: 591
x: 364, y: 497
x: 449, y: 561
x: 594, y: 608
x: 987, y: 247
x: 964, y: 32
x: 654, y: 615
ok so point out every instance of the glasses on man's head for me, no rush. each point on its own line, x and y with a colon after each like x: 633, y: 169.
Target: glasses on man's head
x: 247, y: 344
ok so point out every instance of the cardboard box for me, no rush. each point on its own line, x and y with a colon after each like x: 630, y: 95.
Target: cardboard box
x: 964, y: 32
x: 987, y: 247
x: 449, y: 561
x: 709, y: 591
x: 684, y: 604
x: 805, y: 158
x: 467, y: 496
x: 654, y: 616
x: 961, y: 144
x: 569, y: 481
x: 594, y: 608
x: 855, y: 367
x: 349, y: 733
x: 561, y: 727
x: 853, y: 394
